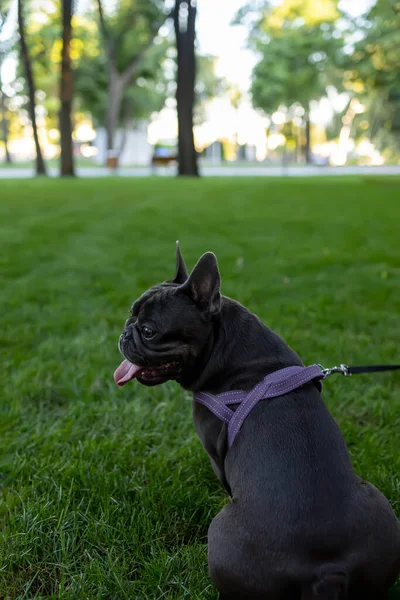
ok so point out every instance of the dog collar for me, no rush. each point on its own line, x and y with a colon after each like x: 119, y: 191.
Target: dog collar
x: 276, y: 384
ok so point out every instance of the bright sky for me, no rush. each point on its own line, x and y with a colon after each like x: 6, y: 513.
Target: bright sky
x: 218, y: 37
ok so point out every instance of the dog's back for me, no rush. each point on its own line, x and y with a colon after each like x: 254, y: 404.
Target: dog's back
x: 298, y: 507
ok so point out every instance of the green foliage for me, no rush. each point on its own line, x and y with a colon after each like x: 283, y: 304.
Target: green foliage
x: 146, y: 94
x: 374, y: 70
x: 295, y: 67
x: 299, y: 47
x: 312, y: 13
x: 306, y: 45
x: 5, y: 47
x: 376, y: 58
x: 130, y: 24
x: 4, y: 10
x: 44, y: 41
x: 155, y: 82
x: 107, y: 492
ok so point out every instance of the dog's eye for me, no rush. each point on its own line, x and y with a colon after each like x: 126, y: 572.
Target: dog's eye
x: 147, y: 332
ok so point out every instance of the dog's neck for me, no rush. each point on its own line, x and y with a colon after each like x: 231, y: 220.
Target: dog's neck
x: 240, y: 351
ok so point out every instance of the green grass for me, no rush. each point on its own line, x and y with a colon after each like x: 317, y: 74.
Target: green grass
x: 107, y: 492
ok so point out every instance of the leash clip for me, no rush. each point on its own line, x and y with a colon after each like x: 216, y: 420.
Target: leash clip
x: 343, y: 370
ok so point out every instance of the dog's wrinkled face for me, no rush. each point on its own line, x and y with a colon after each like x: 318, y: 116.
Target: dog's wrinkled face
x: 170, y: 324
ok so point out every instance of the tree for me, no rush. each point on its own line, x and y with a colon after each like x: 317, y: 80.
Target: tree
x: 66, y: 91
x: 185, y: 33
x: 4, y: 124
x: 5, y: 46
x: 40, y: 166
x: 298, y: 45
x: 373, y: 71
x: 128, y: 34
x: 45, y: 46
x: 154, y: 82
x: 145, y: 94
x: 293, y: 70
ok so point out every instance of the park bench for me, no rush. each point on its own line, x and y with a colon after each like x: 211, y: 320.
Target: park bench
x: 162, y: 157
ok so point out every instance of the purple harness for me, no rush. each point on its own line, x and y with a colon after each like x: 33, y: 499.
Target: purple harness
x: 276, y: 384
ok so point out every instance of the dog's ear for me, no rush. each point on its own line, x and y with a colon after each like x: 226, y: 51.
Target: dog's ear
x: 204, y: 283
x: 181, y: 273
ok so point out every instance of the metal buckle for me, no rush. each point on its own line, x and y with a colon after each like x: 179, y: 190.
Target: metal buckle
x: 343, y: 370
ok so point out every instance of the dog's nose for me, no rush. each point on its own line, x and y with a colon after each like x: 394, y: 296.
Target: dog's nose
x: 127, y: 333
x: 125, y: 336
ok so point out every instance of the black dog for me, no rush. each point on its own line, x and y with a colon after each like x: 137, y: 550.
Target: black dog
x: 301, y: 524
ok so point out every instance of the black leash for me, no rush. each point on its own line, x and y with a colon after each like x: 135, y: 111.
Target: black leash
x: 347, y: 371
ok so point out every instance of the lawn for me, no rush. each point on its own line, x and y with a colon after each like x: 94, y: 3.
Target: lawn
x: 107, y: 492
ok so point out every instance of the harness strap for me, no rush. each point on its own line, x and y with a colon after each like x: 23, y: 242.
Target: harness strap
x: 220, y: 410
x: 276, y: 384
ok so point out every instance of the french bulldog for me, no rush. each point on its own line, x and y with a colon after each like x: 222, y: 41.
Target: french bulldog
x: 301, y: 525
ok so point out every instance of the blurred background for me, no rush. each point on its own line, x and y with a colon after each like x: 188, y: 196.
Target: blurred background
x: 111, y: 83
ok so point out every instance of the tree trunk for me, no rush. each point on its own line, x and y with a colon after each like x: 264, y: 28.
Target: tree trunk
x: 307, y: 147
x: 115, y: 87
x: 297, y: 142
x: 184, y: 22
x: 126, y: 124
x: 3, y: 104
x: 4, y: 124
x: 115, y: 91
x: 40, y: 166
x: 118, y: 81
x: 66, y: 92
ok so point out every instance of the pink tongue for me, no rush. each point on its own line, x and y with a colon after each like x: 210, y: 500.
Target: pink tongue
x: 125, y: 372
